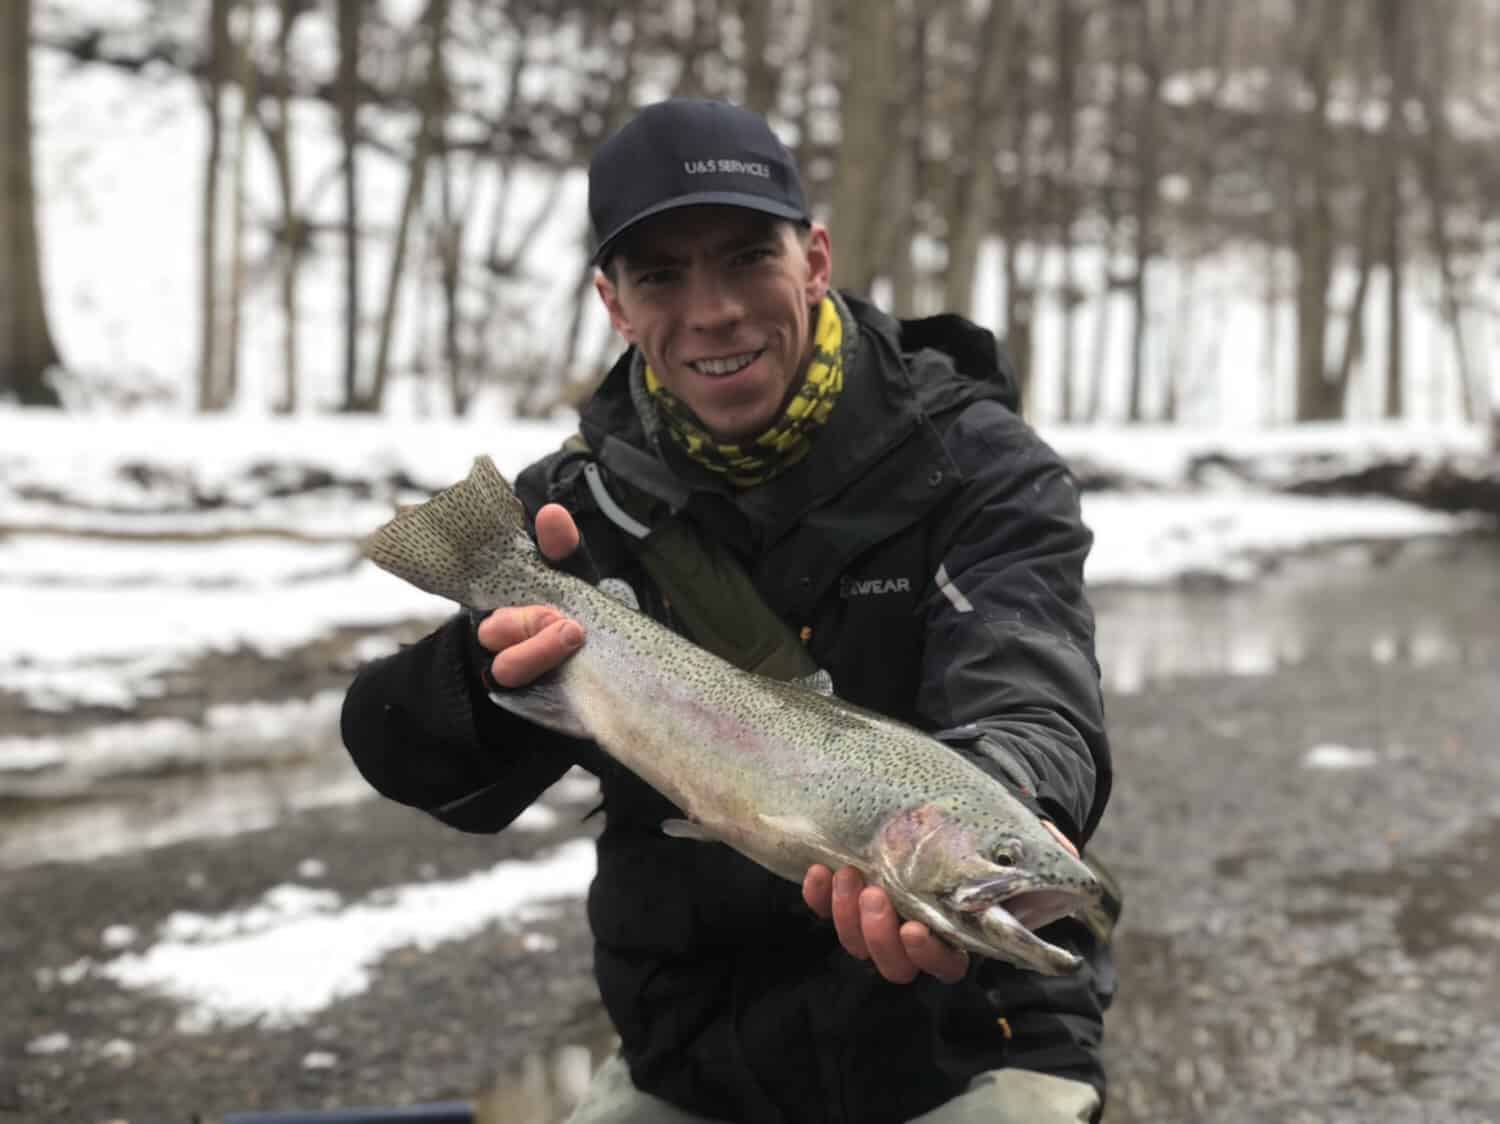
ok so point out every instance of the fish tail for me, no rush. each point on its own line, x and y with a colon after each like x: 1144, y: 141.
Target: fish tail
x: 442, y: 545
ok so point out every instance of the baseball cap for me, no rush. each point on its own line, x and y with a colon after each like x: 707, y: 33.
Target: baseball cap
x: 684, y: 152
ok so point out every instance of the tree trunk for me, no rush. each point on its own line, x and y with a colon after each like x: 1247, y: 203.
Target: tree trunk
x: 1393, y: 33
x: 230, y: 387
x: 1436, y: 178
x: 760, y: 74
x: 209, y: 365
x: 911, y: 177
x: 1016, y: 217
x: 864, y: 111
x: 1069, y: 32
x: 348, y: 95
x: 970, y: 208
x: 1148, y: 56
x: 435, y: 19
x: 279, y: 136
x: 1109, y: 206
x: 1319, y: 396
x: 26, y: 348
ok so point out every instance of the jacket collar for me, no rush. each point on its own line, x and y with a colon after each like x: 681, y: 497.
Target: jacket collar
x: 878, y: 454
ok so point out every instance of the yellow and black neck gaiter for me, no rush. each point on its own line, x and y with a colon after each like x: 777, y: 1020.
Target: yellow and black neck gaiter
x: 790, y: 436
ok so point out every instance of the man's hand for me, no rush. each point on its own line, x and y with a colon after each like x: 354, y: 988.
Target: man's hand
x: 531, y: 640
x: 869, y: 928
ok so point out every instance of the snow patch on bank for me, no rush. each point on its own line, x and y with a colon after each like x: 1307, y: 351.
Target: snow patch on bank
x: 299, y: 950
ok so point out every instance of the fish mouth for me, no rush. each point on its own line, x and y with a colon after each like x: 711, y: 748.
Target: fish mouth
x: 1006, y: 910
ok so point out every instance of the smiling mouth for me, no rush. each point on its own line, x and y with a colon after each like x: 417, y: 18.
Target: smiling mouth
x: 727, y: 365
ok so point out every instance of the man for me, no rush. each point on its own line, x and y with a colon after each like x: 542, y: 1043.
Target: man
x: 798, y: 481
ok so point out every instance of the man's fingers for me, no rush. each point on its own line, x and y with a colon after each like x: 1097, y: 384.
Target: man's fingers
x: 883, y: 937
x: 847, y: 884
x: 817, y: 891
x: 933, y: 955
x: 528, y: 660
x: 1061, y: 838
x: 505, y: 627
x: 556, y: 533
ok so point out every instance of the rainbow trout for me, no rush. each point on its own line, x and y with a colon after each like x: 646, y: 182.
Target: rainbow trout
x: 784, y: 774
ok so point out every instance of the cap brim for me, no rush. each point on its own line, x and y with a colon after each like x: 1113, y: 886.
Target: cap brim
x: 699, y: 199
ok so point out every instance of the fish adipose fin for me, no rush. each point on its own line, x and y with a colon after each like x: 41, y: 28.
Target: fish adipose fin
x: 434, y: 545
x: 544, y: 703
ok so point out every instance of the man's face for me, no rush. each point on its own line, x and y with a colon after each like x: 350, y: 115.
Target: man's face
x: 720, y: 302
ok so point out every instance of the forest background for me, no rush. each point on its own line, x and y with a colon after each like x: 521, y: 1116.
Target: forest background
x: 1172, y: 210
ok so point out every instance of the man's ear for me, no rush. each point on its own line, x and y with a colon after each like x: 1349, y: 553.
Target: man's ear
x: 819, y: 263
x: 610, y: 295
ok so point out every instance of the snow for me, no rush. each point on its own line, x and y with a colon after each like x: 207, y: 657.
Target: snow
x: 296, y: 951
x: 1333, y: 757
x: 121, y: 577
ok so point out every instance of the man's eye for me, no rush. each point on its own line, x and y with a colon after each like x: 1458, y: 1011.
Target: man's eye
x: 753, y: 257
x: 656, y: 277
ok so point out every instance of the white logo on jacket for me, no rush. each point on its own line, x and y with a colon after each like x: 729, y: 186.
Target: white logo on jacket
x: 866, y: 587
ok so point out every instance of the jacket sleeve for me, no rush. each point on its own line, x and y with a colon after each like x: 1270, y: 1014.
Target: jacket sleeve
x: 422, y: 730
x: 1009, y: 672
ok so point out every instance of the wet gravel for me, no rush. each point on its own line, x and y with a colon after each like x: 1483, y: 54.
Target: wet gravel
x: 1300, y: 943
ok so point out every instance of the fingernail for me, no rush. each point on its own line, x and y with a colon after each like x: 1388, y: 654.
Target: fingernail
x: 872, y: 906
x: 572, y: 636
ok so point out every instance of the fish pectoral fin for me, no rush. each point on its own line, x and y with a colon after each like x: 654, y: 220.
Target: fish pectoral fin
x: 545, y: 703
x: 687, y: 829
x: 810, y: 837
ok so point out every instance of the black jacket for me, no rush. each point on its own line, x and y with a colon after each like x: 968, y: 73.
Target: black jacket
x: 930, y: 547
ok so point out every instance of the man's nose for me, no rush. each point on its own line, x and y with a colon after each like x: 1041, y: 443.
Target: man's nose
x: 713, y: 303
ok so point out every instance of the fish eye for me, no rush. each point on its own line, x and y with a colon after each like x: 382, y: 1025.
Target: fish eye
x: 1008, y: 853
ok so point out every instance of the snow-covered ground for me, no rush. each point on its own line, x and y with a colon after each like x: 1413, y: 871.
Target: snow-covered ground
x: 125, y: 573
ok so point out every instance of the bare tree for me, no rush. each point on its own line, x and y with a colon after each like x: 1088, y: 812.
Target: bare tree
x: 348, y: 95
x: 970, y: 208
x: 760, y: 75
x: 246, y: 80
x: 1392, y: 21
x: 865, y: 104
x: 289, y: 238
x: 1069, y: 30
x: 218, y: 70
x: 429, y: 127
x: 909, y: 189
x: 1109, y: 93
x: 1149, y: 60
x: 26, y: 348
x: 1319, y: 397
x: 1433, y: 158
